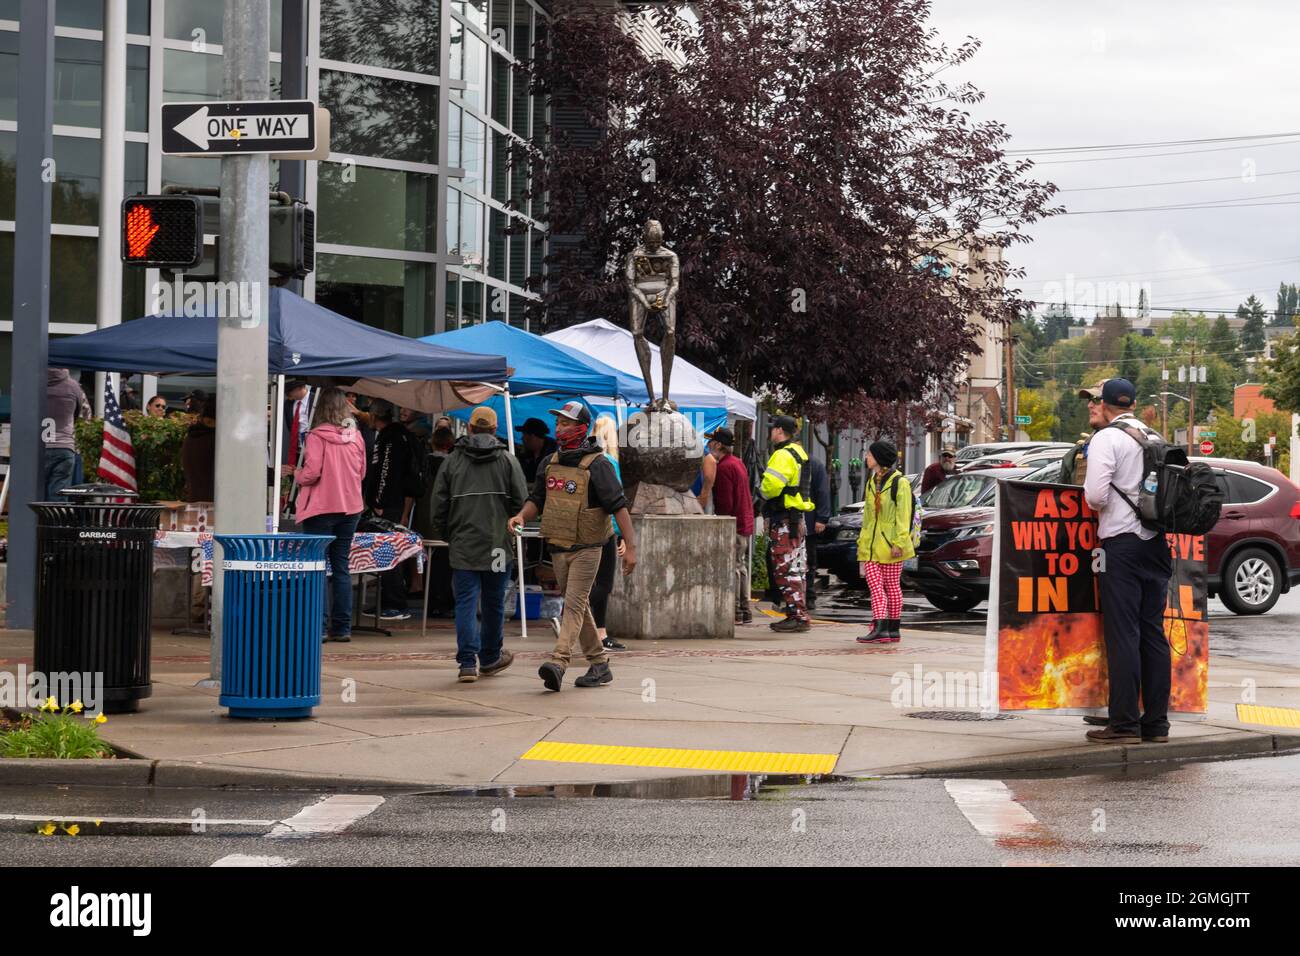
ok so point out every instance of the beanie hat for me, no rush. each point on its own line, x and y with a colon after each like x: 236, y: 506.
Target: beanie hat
x: 883, y: 450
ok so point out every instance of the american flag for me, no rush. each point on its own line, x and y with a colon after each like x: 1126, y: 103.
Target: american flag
x: 117, y: 456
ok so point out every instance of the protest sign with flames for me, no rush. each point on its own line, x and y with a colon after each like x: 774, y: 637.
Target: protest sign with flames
x: 1044, y: 637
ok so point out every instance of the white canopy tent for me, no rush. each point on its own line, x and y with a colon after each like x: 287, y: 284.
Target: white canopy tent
x: 690, y: 386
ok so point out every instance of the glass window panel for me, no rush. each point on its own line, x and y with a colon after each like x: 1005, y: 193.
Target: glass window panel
x: 8, y: 175
x: 78, y: 81
x: 522, y: 42
x: 518, y: 314
x: 453, y: 222
x: 197, y: 171
x: 497, y: 244
x: 500, y: 167
x: 519, y: 114
x: 182, y: 17
x: 472, y: 146
x: 372, y: 116
x: 137, y: 17
x: 500, y: 89
x: 73, y: 259
x: 519, y: 188
x: 451, y: 315
x: 6, y: 293
x: 536, y: 253
x: 385, y: 208
x: 198, y: 76
x: 8, y: 75
x: 88, y: 14
x: 136, y: 178
x: 471, y: 232
x: 137, y: 88
x: 456, y: 49
x: 398, y: 34
x: 500, y: 32
x: 518, y: 254
x: 454, y: 114
x: 383, y: 293
x: 474, y: 71
x: 75, y: 199
x: 474, y: 11
x: 471, y: 302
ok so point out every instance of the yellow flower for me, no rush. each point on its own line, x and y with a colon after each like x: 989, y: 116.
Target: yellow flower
x: 46, y: 830
x: 76, y: 706
x: 101, y: 719
x: 72, y: 830
x: 50, y: 704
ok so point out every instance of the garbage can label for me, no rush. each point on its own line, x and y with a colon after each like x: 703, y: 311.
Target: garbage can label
x: 99, y: 535
x: 273, y: 565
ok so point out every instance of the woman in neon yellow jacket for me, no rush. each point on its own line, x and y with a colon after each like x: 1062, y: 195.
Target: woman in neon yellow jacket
x: 885, y: 542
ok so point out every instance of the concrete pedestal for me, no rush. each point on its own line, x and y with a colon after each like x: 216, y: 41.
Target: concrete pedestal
x: 684, y: 585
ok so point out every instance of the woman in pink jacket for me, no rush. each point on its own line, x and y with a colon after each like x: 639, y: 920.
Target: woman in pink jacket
x: 329, y: 497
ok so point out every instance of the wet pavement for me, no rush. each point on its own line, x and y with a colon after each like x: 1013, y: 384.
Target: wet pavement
x: 1214, y: 813
x: 1272, y: 638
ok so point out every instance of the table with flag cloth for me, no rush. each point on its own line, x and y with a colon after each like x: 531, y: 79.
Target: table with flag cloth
x: 372, y: 552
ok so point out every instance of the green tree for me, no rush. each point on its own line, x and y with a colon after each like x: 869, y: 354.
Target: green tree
x: 1252, y: 333
x: 1038, y: 406
x: 1288, y: 304
x: 1130, y: 359
x: 1282, y: 375
x: 1223, y: 342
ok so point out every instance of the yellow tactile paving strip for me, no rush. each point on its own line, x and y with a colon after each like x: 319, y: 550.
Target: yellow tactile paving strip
x: 732, y: 761
x: 1268, y: 716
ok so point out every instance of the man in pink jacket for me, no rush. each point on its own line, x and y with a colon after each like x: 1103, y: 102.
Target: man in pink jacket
x: 329, y: 499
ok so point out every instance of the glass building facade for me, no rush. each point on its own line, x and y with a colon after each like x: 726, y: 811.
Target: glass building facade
x: 422, y: 224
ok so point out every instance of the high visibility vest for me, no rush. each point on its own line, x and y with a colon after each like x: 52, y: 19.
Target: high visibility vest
x: 567, y: 522
x: 787, y: 480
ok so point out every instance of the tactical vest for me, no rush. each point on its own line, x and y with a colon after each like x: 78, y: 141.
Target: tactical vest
x: 567, y: 522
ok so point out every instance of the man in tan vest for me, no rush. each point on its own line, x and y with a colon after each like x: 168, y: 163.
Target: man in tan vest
x: 575, y: 492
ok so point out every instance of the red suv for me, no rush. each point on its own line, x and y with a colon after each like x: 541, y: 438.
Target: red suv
x: 1253, y: 553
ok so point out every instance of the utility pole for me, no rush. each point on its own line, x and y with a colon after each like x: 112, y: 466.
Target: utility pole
x: 1164, y: 398
x: 242, y: 340
x: 1010, y: 361
x: 1191, y: 404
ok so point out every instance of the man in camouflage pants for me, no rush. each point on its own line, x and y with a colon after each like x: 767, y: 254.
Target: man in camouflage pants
x: 786, y: 493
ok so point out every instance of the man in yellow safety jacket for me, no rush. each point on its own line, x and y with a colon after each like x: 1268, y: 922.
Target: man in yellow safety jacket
x: 787, y: 494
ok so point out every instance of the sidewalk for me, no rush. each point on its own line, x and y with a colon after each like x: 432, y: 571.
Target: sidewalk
x: 392, y: 713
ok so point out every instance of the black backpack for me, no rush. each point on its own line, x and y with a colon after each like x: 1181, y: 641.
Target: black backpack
x: 418, y: 480
x: 1176, y: 496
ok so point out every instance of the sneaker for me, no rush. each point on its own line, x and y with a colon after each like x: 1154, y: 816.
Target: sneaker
x: 791, y: 625
x: 395, y: 615
x: 552, y: 675
x: 1108, y: 735
x: 612, y: 645
x: 500, y: 664
x: 468, y: 675
x: 596, y: 675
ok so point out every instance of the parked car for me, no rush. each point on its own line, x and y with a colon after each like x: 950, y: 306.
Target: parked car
x: 837, y: 547
x: 971, y: 453
x: 1252, y: 554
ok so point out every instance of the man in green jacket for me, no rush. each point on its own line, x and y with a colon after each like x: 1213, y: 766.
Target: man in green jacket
x: 477, y: 489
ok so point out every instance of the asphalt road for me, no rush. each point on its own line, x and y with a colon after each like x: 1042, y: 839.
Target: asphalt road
x: 1221, y: 813
x: 1272, y: 638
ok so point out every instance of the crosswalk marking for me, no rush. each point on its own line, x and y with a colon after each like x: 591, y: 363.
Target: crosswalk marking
x: 240, y: 859
x: 331, y: 815
x: 991, y: 809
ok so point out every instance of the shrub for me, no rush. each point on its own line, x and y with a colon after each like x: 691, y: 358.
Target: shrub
x: 62, y: 732
x: 157, y: 443
x: 758, y: 583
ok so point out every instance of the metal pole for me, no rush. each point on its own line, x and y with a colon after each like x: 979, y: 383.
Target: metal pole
x: 242, y: 348
x: 293, y: 82
x: 34, y: 176
x: 108, y: 310
x: 278, y: 442
x: 519, y: 542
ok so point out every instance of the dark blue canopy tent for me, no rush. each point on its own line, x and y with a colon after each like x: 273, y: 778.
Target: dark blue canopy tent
x: 306, y: 341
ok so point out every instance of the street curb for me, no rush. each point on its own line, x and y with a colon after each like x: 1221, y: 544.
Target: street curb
x: 49, y: 771
x: 179, y: 775
x: 1098, y: 755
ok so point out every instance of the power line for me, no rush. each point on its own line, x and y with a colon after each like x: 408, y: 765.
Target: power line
x: 1094, y: 305
x: 1145, y: 358
x: 1223, y: 267
x: 1167, y: 142
x: 1181, y: 152
x: 1175, y: 182
x: 1185, y: 207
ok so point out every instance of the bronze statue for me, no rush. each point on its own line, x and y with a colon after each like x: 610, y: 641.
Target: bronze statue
x: 651, y: 273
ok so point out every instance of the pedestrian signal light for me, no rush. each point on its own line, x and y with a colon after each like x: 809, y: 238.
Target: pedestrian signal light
x: 162, y: 231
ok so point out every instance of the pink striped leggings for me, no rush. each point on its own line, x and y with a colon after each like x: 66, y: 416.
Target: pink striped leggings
x: 886, y: 594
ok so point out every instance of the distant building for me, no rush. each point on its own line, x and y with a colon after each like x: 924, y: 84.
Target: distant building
x: 1247, y: 401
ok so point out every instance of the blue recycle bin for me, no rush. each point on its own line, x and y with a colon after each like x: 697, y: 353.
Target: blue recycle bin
x: 271, y: 623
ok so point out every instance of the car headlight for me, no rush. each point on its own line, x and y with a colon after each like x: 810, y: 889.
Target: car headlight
x: 974, y: 531
x: 847, y: 534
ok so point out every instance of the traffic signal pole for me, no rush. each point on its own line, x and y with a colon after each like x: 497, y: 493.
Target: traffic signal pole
x: 242, y: 339
x: 34, y: 177
x: 112, y: 158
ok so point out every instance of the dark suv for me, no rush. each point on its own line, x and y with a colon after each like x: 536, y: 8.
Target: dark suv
x: 1253, y: 553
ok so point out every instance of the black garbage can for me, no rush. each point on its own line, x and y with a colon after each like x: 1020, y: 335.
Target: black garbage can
x: 94, y: 596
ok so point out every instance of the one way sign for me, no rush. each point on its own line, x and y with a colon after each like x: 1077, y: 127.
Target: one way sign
x: 247, y: 126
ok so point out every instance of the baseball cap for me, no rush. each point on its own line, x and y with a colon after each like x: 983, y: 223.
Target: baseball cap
x: 1118, y: 392
x: 483, y: 417
x: 534, y: 426
x: 1094, y: 392
x: 786, y: 423
x: 575, y: 410
x: 948, y: 452
x: 723, y: 435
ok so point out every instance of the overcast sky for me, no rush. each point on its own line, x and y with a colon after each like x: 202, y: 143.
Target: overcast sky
x: 1062, y: 73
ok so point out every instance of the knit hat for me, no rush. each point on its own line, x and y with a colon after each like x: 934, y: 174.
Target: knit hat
x: 884, y: 452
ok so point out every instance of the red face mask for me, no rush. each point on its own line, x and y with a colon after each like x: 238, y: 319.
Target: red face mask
x: 570, y: 436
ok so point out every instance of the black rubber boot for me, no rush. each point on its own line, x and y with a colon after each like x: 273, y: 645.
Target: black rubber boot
x: 878, y: 629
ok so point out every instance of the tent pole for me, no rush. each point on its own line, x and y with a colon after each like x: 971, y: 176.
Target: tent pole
x: 519, y: 541
x: 277, y: 443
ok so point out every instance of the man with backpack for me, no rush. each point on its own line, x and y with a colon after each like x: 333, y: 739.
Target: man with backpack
x: 1134, y: 579
x: 393, y: 483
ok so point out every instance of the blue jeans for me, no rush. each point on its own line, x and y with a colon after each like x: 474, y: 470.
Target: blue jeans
x: 338, y: 619
x: 60, y: 471
x: 475, y: 643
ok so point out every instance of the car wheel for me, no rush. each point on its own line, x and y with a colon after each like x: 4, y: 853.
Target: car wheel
x: 1252, y: 582
x: 952, y: 603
